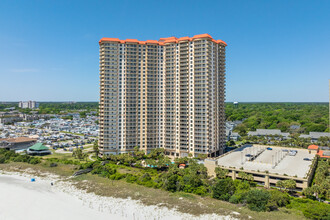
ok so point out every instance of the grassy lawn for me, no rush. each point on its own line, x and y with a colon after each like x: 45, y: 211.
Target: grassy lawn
x: 67, y: 155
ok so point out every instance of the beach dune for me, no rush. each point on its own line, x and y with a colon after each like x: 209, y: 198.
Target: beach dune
x: 22, y: 199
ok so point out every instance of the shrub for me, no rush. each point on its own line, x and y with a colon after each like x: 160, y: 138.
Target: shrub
x: 235, y: 199
x: 311, y: 209
x: 130, y: 178
x: 34, y: 160
x: 146, y: 180
x: 21, y: 158
x: 187, y: 188
x: 223, y: 189
x: 145, y: 177
x: 104, y: 171
x: 2, y: 159
x: 317, y: 211
x: 170, y: 183
x: 257, y: 199
x: 149, y: 184
x: 242, y: 188
x: 277, y: 199
x: 117, y: 176
x: 200, y: 191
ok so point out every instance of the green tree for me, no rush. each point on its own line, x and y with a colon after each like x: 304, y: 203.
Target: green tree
x: 317, y: 211
x: 246, y: 176
x: 277, y: 199
x: 221, y: 173
x: 289, y: 184
x: 242, y: 188
x: 77, y: 153
x: 170, y: 183
x: 96, y: 148
x: 223, y: 189
x: 83, y: 114
x: 257, y: 199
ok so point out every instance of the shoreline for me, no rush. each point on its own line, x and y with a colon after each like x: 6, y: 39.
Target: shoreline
x: 82, y: 201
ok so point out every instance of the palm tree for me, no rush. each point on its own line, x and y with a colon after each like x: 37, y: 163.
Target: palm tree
x: 246, y: 176
x: 221, y: 173
x: 280, y: 184
x: 289, y: 184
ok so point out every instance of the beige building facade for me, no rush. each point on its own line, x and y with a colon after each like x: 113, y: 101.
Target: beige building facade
x: 162, y: 94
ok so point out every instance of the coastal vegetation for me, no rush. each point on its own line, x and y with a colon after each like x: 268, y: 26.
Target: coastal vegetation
x: 320, y: 188
x: 7, y: 156
x: 184, y: 176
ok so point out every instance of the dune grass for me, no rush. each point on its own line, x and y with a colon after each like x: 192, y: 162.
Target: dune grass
x: 183, y: 202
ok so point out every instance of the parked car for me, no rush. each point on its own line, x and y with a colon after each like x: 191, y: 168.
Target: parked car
x: 269, y: 148
x: 307, y: 159
x: 293, y: 152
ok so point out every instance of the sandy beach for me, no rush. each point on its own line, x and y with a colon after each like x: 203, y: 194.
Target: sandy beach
x: 22, y: 199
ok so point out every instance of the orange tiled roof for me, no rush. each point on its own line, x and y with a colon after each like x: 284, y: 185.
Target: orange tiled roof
x: 320, y: 153
x: 313, y: 147
x: 163, y: 41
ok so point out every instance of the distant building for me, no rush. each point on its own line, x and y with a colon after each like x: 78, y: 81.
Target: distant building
x: 15, y: 116
x: 234, y: 136
x: 323, y: 152
x: 9, y: 117
x: 269, y: 132
x: 19, y: 143
x: 28, y: 104
x: 38, y: 149
x: 295, y: 127
x: 314, y: 136
x: 10, y: 108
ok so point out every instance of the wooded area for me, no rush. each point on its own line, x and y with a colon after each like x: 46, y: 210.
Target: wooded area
x: 309, y: 116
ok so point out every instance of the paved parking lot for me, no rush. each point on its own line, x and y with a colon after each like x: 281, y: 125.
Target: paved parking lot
x: 289, y: 165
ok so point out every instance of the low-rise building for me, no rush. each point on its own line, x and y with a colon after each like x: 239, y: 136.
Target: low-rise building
x: 19, y: 143
x: 323, y: 152
x: 315, y: 136
x: 269, y: 132
x: 38, y: 149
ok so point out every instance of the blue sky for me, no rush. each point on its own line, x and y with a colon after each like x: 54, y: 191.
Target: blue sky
x: 277, y: 50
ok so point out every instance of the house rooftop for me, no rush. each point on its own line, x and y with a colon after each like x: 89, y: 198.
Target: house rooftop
x: 18, y: 140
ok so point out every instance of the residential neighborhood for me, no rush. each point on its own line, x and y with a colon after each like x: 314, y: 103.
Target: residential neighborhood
x: 54, y: 132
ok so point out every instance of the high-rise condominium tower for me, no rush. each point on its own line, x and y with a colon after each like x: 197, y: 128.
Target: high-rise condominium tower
x: 162, y: 94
